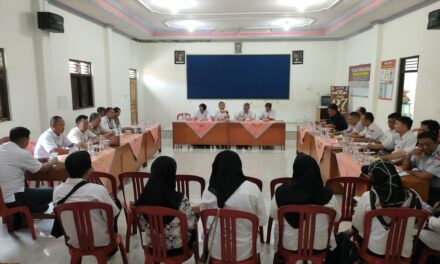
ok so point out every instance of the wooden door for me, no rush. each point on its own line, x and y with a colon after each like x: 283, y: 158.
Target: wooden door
x: 133, y: 101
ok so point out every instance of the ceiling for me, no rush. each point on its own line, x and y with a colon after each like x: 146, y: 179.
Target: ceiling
x: 240, y: 19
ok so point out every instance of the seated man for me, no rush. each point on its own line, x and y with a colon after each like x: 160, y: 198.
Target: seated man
x: 391, y: 133
x: 15, y: 160
x: 429, y: 125
x: 95, y: 125
x: 354, y: 124
x: 79, y: 165
x: 80, y: 134
x: 202, y: 114
x: 403, y: 142
x: 53, y: 140
x: 425, y: 160
x: 336, y: 120
x: 361, y: 111
x: 116, y: 117
x: 371, y: 131
x: 245, y: 114
x: 268, y: 114
x: 101, y: 111
x: 107, y: 123
x: 221, y: 114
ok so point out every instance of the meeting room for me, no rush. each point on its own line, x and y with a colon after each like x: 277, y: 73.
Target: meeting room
x: 217, y: 132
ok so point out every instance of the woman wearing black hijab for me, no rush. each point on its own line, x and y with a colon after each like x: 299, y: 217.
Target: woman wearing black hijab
x: 160, y: 190
x: 387, y: 192
x: 306, y: 188
x: 229, y: 189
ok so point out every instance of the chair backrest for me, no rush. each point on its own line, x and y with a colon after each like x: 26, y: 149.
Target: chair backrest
x: 83, y: 223
x: 102, y: 178
x: 256, y: 181
x: 306, y: 226
x: 398, y: 218
x: 228, y: 233
x: 4, y: 140
x: 31, y: 147
x: 350, y: 185
x: 277, y: 181
x: 183, y: 183
x: 155, y: 216
x: 183, y: 116
x: 138, y: 180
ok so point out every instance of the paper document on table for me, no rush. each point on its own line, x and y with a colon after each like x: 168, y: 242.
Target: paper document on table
x: 403, y: 174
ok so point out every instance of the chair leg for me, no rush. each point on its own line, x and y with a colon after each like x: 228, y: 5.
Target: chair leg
x: 8, y: 220
x: 269, y: 230
x: 196, y: 251
x: 101, y: 258
x: 30, y: 223
x: 424, y: 256
x: 123, y: 252
x: 128, y: 234
x: 75, y: 259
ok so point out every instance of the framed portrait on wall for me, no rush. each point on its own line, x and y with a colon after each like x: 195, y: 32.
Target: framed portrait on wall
x: 179, y: 57
x: 238, y: 47
x: 297, y: 57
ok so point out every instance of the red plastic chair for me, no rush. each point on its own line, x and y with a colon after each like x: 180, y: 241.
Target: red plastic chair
x: 427, y: 252
x: 228, y: 234
x: 183, y: 116
x: 83, y: 224
x: 306, y: 233
x: 183, y: 183
x: 396, y: 234
x: 7, y: 213
x: 157, y: 251
x: 350, y: 185
x: 102, y: 178
x: 138, y: 180
x: 259, y: 183
x: 273, y: 184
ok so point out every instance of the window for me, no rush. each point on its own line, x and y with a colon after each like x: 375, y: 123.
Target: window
x: 4, y: 97
x: 406, y: 93
x: 82, y: 84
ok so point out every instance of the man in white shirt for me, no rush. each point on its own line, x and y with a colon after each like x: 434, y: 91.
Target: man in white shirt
x: 268, y: 114
x: 388, y: 136
x: 354, y: 124
x: 79, y: 165
x: 202, y: 114
x: 245, y: 114
x: 222, y: 114
x: 53, y: 140
x: 107, y: 123
x: 101, y: 111
x: 15, y: 160
x: 371, y: 131
x: 81, y: 134
x: 95, y: 125
x: 403, y: 142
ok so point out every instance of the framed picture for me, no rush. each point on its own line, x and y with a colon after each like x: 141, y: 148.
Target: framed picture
x: 179, y: 57
x: 238, y: 47
x: 297, y: 57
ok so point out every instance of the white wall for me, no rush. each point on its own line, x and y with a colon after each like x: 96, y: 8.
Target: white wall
x: 403, y: 37
x: 165, y: 81
x: 38, y: 72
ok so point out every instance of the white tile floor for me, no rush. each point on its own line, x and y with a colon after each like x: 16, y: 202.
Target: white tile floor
x: 264, y: 164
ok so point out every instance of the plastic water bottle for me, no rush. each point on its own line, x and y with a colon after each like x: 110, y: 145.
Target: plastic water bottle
x: 90, y: 147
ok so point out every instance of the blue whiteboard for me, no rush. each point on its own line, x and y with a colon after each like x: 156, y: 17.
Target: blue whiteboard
x: 238, y: 76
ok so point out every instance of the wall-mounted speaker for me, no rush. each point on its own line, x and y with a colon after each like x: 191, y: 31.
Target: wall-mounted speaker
x: 50, y: 22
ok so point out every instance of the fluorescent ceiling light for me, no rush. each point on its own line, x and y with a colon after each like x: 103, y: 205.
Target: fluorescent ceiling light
x: 306, y: 5
x: 190, y: 25
x: 173, y: 5
x: 288, y: 23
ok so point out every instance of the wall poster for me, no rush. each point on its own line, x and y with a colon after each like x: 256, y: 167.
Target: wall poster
x: 387, y: 73
x: 340, y: 96
x: 359, y: 80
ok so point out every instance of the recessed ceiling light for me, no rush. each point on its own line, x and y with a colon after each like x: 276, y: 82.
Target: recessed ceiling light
x: 288, y: 23
x: 305, y: 5
x: 173, y: 5
x: 190, y: 25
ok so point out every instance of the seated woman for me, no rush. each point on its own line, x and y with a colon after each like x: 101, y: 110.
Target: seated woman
x: 306, y: 188
x: 229, y: 189
x: 161, y: 191
x: 387, y: 192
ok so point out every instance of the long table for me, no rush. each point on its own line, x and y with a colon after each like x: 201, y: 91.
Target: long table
x: 119, y: 159
x: 229, y: 133
x: 330, y: 168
